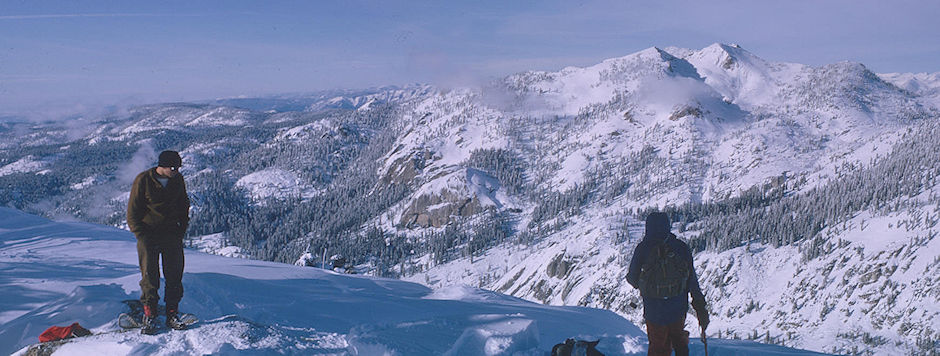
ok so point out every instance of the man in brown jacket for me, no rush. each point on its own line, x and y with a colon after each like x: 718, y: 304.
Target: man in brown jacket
x: 158, y: 215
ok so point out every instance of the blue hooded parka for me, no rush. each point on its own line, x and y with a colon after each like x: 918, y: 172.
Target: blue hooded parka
x: 663, y: 311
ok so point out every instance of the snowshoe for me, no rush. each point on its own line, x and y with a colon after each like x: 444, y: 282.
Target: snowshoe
x: 126, y: 321
x: 132, y: 318
x: 135, y: 317
x: 179, y: 321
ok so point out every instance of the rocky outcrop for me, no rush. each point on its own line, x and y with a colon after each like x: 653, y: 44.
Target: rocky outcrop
x: 559, y: 267
x: 437, y: 210
x: 404, y: 169
x: 450, y: 193
x: 685, y: 111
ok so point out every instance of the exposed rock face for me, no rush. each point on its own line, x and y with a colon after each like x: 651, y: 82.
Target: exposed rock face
x: 403, y: 170
x: 437, y: 210
x: 728, y: 63
x: 450, y: 192
x: 429, y: 209
x: 559, y: 267
x: 686, y: 111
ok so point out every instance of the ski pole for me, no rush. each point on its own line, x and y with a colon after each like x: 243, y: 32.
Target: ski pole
x: 705, y: 341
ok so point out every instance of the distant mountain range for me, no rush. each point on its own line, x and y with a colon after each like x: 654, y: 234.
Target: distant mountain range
x: 809, y: 193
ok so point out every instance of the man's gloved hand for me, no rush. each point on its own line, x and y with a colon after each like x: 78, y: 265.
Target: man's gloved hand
x: 701, y: 311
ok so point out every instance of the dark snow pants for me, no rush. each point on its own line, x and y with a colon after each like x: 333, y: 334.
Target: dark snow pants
x: 149, y: 250
x: 665, y: 338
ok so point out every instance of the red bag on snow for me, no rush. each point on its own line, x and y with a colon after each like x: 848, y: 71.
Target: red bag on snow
x: 63, y: 332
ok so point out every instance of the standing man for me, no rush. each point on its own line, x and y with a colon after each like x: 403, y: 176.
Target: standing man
x: 662, y: 270
x: 158, y: 215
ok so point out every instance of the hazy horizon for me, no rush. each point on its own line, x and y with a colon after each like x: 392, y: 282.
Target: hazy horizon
x: 59, y: 59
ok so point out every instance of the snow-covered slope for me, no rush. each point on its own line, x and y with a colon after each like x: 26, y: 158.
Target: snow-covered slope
x: 690, y: 126
x: 540, y: 178
x: 177, y: 117
x: 926, y: 85
x: 872, y: 290
x: 56, y: 273
x: 26, y: 164
x: 274, y: 183
x: 721, y: 118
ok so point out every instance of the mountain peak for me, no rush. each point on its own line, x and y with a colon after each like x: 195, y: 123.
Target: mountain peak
x: 673, y: 65
x: 666, y: 56
x: 727, y: 56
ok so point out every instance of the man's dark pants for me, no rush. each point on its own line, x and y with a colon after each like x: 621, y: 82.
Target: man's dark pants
x: 665, y: 338
x: 149, y: 250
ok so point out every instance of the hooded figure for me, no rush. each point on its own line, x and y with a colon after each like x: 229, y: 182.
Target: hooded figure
x: 665, y: 312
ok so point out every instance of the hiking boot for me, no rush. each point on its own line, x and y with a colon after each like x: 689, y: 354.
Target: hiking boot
x: 173, y: 320
x: 147, y: 324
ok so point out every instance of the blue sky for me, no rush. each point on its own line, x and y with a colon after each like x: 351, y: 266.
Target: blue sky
x: 63, y: 57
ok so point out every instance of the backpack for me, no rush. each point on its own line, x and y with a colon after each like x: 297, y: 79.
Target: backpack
x: 665, y: 273
x: 63, y: 332
x: 573, y: 347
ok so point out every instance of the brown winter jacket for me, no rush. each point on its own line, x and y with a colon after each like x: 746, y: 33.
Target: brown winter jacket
x: 153, y: 210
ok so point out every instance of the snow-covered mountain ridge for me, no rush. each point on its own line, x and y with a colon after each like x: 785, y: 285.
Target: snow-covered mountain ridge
x: 534, y: 185
x: 718, y: 121
x: 721, y: 117
x: 865, y: 285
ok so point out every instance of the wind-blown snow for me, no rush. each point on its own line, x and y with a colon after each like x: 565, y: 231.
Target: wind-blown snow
x: 57, y: 273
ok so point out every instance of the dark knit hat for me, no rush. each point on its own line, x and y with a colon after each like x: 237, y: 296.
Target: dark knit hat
x: 170, y: 159
x: 657, y: 225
